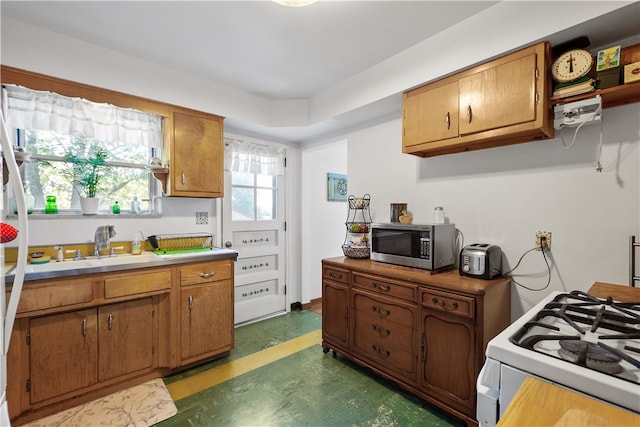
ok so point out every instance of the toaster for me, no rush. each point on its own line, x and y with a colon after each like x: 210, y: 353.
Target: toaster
x: 481, y: 260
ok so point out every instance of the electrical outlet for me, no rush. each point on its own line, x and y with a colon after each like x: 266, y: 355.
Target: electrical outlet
x: 543, y: 240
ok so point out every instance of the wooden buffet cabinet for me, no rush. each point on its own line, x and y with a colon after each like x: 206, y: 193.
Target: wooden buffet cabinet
x: 77, y: 338
x: 426, y: 332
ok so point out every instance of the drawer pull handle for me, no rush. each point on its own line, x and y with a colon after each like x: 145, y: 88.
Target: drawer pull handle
x: 381, y: 286
x: 381, y: 331
x: 443, y: 304
x: 110, y: 322
x: 335, y: 275
x: 381, y: 352
x: 447, y: 120
x: 207, y: 275
x: 183, y: 178
x: 84, y: 327
x: 190, y: 302
x: 380, y: 311
x: 469, y: 113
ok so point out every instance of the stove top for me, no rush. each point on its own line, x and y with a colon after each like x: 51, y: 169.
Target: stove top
x: 598, y: 334
x: 578, y: 341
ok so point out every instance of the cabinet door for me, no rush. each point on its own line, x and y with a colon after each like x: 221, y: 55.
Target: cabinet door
x: 335, y: 313
x: 207, y: 319
x: 430, y: 114
x: 448, y: 351
x: 64, y: 353
x: 197, y: 156
x: 500, y: 96
x: 126, y: 332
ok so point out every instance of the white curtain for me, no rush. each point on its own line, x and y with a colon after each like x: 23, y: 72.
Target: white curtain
x: 241, y: 156
x: 39, y: 110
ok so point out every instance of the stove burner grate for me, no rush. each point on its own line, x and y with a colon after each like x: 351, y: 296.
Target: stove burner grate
x: 575, y: 326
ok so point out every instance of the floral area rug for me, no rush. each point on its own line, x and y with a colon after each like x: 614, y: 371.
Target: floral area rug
x: 139, y: 406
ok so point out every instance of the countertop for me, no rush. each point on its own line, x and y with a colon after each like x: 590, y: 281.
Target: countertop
x: 538, y: 403
x: 158, y: 261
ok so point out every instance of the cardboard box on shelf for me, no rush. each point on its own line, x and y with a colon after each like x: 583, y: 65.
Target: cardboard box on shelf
x: 632, y: 72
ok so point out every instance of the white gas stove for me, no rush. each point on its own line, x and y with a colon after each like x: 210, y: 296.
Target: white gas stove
x: 572, y: 339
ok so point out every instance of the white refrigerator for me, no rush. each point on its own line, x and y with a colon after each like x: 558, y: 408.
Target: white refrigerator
x: 8, y: 308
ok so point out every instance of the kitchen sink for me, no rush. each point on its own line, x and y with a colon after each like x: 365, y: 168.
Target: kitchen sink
x: 90, y: 262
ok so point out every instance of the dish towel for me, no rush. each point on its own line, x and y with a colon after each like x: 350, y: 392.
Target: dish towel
x: 103, y: 234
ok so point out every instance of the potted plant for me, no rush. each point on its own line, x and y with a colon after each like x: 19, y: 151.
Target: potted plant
x: 88, y: 167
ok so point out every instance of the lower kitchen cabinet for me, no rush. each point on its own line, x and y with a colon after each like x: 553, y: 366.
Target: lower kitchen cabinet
x: 206, y: 310
x: 78, y: 338
x: 206, y: 324
x: 126, y: 338
x: 425, y: 332
x: 104, y: 343
x: 52, y: 340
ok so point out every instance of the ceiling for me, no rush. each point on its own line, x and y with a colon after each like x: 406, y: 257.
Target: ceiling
x: 260, y: 47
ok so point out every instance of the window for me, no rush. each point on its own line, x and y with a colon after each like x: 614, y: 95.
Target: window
x: 254, y: 197
x: 49, y: 126
x: 254, y: 172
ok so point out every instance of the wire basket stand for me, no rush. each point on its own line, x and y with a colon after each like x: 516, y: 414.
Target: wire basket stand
x: 356, y: 241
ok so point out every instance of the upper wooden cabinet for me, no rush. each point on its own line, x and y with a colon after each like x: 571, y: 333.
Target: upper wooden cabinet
x: 196, y: 164
x: 502, y: 102
x: 193, y: 140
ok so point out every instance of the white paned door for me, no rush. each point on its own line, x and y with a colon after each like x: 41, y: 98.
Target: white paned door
x: 253, y: 224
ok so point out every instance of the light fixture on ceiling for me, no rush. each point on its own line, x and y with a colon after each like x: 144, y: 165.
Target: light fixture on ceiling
x: 295, y: 3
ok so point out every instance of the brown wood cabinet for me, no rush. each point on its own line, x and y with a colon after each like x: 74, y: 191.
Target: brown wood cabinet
x: 197, y: 155
x: 502, y: 102
x: 52, y: 341
x: 206, y: 310
x: 335, y: 305
x: 104, y: 343
x: 193, y: 140
x: 426, y: 332
x: 77, y: 338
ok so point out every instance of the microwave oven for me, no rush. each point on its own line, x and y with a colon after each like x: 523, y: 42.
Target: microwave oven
x: 426, y: 246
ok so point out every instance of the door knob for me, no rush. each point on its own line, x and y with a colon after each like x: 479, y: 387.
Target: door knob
x: 227, y: 244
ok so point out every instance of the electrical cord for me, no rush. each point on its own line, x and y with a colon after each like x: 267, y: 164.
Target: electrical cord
x: 518, y: 264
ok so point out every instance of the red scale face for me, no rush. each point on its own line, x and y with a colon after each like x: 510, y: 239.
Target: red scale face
x: 571, y: 65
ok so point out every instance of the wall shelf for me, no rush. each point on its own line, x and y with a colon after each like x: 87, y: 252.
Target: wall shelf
x: 611, y: 97
x: 161, y: 174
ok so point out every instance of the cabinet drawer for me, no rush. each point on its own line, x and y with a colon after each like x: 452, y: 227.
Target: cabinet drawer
x: 55, y: 294
x: 335, y: 274
x: 385, y: 286
x: 205, y: 272
x: 134, y: 284
x: 385, y: 311
x: 447, y: 302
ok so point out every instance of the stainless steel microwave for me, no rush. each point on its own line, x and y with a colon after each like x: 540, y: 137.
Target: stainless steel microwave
x: 426, y: 246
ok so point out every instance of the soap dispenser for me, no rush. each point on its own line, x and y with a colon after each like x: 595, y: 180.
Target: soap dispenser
x: 136, y: 246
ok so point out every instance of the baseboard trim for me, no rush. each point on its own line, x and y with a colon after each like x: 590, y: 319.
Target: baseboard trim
x: 316, y: 301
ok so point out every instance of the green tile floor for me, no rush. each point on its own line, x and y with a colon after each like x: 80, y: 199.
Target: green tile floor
x: 307, y: 388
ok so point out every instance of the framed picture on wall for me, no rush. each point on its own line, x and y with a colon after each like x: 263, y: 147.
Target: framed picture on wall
x: 336, y: 187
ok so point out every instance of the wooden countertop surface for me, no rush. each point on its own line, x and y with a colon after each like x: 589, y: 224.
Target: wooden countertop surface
x: 538, y: 403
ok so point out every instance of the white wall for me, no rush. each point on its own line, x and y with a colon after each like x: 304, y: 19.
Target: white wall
x: 504, y: 195
x: 322, y: 222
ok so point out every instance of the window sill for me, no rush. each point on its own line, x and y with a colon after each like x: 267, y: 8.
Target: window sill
x: 75, y: 215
